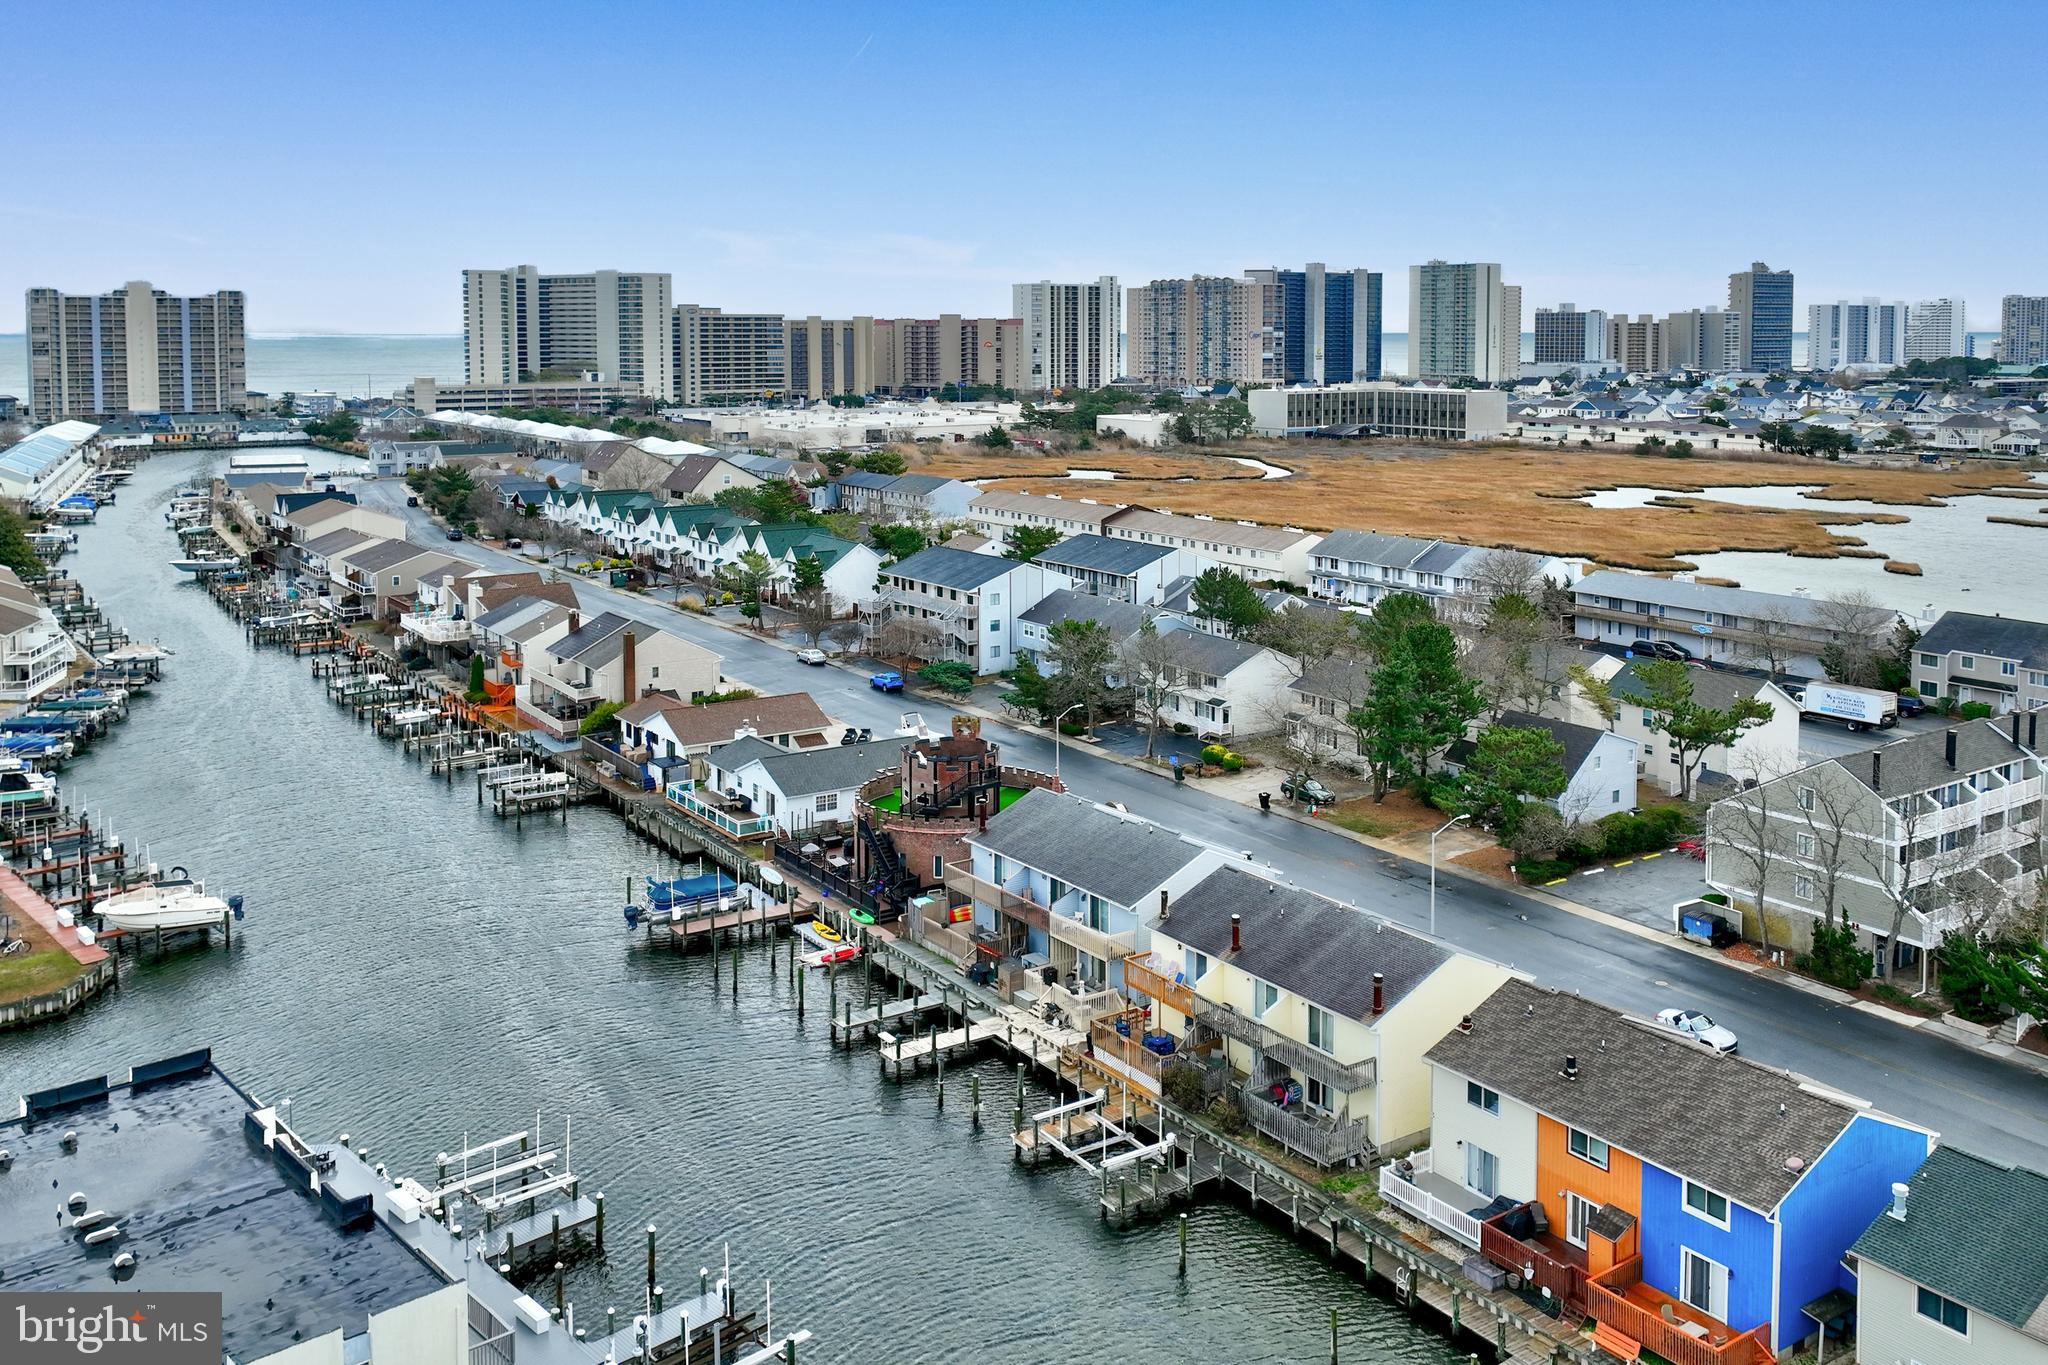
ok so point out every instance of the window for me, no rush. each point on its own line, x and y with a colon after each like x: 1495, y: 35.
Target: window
x: 999, y: 870
x: 1055, y: 890
x: 1479, y: 1097
x: 1806, y: 845
x: 1586, y: 1147
x: 1264, y: 997
x: 1322, y: 1029
x: 1318, y: 1095
x: 1806, y: 798
x: 1707, y: 1204
x: 1482, y: 1171
x: 995, y: 627
x: 1947, y: 1312
x: 1930, y: 661
x: 1969, y: 661
x: 938, y: 866
x: 1802, y: 887
x: 2006, y: 668
x: 995, y: 599
x: 828, y: 801
x: 1198, y: 966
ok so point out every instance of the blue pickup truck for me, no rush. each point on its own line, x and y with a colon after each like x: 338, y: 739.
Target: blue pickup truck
x: 891, y: 681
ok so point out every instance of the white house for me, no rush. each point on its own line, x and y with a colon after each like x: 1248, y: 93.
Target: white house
x: 1226, y: 687
x: 608, y: 658
x: 998, y: 512
x: 1599, y: 767
x: 796, y: 789
x: 962, y: 605
x: 1759, y: 752
x: 35, y: 652
x: 1127, y: 570
x: 1707, y: 621
x: 1358, y: 568
x: 1259, y: 553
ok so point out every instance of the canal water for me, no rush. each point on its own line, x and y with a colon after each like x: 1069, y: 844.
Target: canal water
x: 414, y: 971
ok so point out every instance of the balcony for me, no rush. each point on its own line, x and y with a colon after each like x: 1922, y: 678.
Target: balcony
x: 961, y: 880
x: 1127, y: 1053
x: 1287, y: 1051
x: 1099, y: 944
x: 1150, y: 976
x: 1327, y: 1141
x: 718, y: 814
x: 1672, y: 1328
x: 434, y: 630
x: 1543, y: 1261
x: 1412, y: 1186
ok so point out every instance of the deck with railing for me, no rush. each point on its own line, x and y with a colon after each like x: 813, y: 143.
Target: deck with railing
x: 1287, y: 1051
x: 681, y: 796
x: 1670, y: 1327
x: 1152, y: 977
x: 1543, y: 1262
x: 961, y: 880
x: 1327, y: 1141
x: 1406, y: 1191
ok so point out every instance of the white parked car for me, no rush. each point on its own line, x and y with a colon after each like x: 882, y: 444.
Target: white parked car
x: 1698, y: 1027
x: 810, y: 656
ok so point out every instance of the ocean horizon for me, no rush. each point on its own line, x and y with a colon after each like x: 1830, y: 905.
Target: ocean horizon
x: 378, y: 364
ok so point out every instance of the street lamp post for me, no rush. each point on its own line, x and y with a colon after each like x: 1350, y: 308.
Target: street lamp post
x: 1455, y: 819
x: 1056, y: 736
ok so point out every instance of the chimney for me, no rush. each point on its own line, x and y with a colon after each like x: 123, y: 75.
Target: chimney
x: 1379, y: 993
x: 2032, y: 717
x: 575, y: 620
x: 628, y: 661
x: 1899, y: 1192
x: 1950, y: 749
x: 981, y: 812
x: 1236, y: 932
x: 2015, y: 729
x: 1164, y: 908
x: 1877, y: 770
x: 1571, y: 1068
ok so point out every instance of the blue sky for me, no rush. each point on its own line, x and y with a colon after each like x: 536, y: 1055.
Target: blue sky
x: 341, y: 164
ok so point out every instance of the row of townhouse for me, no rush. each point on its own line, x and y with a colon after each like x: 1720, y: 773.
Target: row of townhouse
x: 896, y: 497
x: 35, y: 651
x: 1359, y: 568
x: 1699, y: 1206
x: 1934, y: 832
x: 1714, y: 622
x: 1261, y: 553
x: 2001, y: 661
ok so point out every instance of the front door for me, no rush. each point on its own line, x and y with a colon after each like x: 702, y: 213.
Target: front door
x: 1704, y: 1284
x: 1577, y: 1213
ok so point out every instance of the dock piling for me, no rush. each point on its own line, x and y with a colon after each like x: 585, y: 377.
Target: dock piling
x: 650, y: 1258
x: 1333, y: 1336
x: 1183, y: 1271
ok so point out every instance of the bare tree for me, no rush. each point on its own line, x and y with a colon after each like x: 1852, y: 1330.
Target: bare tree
x: 1152, y: 664
x: 846, y: 636
x: 812, y: 611
x: 1316, y: 719
x: 1777, y: 637
x: 909, y: 637
x: 1860, y: 637
x: 1503, y: 573
x: 1744, y: 829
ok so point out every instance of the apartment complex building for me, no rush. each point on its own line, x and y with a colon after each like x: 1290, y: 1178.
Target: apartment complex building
x: 1510, y: 331
x: 727, y: 357
x: 1914, y: 838
x: 1383, y: 409
x: 918, y: 356
x: 1309, y: 326
x: 1073, y: 333
x: 1846, y: 333
x: 1457, y: 322
x: 1763, y: 298
x: 1636, y: 344
x: 958, y: 605
x: 134, y: 350
x: 518, y: 322
x: 427, y: 395
x: 1704, y: 339
x: 2001, y: 661
x: 1567, y: 335
x: 1708, y: 621
x: 2023, y: 329
x: 828, y: 356
x: 1936, y: 329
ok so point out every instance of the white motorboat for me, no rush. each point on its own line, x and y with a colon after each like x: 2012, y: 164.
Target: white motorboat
x: 198, y: 566
x: 177, y: 902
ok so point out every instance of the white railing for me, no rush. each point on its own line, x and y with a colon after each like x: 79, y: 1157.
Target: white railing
x: 1105, y: 947
x: 435, y: 630
x: 1417, y: 1202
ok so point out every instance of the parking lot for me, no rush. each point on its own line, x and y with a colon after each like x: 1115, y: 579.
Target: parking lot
x: 1642, y: 889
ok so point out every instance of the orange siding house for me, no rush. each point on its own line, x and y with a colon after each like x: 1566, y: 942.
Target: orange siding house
x: 1560, y: 1174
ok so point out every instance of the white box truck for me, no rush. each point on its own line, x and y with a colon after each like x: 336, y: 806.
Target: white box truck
x: 1860, y: 708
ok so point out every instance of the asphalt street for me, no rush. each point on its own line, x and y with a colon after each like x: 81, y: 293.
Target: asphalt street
x: 1974, y: 1100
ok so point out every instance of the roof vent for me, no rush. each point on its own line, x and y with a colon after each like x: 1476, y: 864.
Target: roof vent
x: 1899, y: 1192
x: 1465, y: 1024
x: 1236, y: 932
x: 1528, y: 1011
x: 1571, y: 1068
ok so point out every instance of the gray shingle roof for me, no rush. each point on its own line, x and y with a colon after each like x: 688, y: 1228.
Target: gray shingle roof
x: 806, y: 772
x: 1100, y: 554
x: 1579, y: 741
x: 1972, y: 1233
x: 1215, y: 654
x: 1919, y: 763
x: 1713, y: 687
x: 1301, y: 942
x: 1728, y: 1123
x: 385, y: 555
x: 1120, y: 618
x: 1996, y: 637
x: 1104, y: 854
x: 963, y: 569
x: 1675, y: 592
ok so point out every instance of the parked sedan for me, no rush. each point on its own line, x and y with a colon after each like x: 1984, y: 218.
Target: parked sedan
x: 1701, y: 1029
x: 814, y: 657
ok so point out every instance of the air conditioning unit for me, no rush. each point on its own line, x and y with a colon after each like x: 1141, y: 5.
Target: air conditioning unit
x: 529, y: 1312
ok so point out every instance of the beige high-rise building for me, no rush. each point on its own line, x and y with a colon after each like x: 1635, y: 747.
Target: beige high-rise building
x: 721, y: 356
x: 136, y: 349
x: 1636, y: 344
x: 1203, y: 330
x: 924, y: 355
x: 830, y: 356
x: 518, y: 323
x: 1510, y: 331
x: 1705, y: 339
